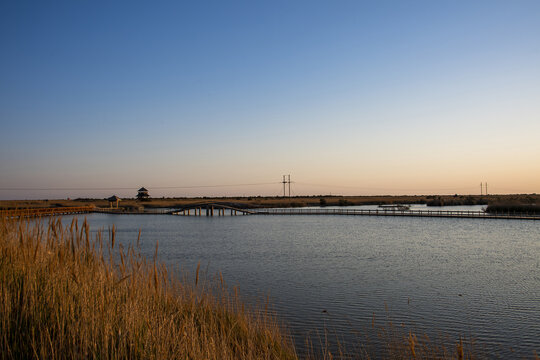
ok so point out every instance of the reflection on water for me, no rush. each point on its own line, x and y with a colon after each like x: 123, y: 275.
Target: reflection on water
x: 473, y: 277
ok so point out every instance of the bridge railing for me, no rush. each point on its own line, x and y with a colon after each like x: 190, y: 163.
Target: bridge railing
x: 17, y: 213
x: 208, y: 209
x: 391, y: 212
x: 367, y: 211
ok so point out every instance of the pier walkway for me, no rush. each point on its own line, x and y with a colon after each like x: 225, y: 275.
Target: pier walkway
x: 213, y: 209
x: 391, y: 212
x: 23, y: 213
x: 208, y: 209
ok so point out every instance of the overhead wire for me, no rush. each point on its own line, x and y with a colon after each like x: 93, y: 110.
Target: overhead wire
x: 279, y: 183
x: 379, y: 188
x: 131, y: 188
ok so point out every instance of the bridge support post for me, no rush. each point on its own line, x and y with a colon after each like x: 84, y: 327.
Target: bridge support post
x: 211, y: 211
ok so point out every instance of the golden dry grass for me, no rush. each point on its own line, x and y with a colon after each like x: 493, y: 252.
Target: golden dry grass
x: 63, y: 296
x: 387, y: 341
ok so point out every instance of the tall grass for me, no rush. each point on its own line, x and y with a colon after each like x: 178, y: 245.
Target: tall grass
x: 64, y: 294
x: 386, y: 340
x: 67, y: 294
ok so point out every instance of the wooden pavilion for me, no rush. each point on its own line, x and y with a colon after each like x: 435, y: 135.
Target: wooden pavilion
x: 142, y: 194
x: 114, y: 199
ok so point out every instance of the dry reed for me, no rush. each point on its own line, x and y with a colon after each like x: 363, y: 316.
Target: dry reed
x: 66, y: 295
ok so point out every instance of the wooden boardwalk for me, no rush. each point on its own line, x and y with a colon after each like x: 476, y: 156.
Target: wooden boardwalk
x: 389, y: 212
x: 24, y: 213
x: 221, y: 209
x: 209, y: 209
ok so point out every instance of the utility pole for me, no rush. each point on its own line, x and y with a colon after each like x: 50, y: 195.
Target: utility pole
x: 290, y: 185
x: 486, y: 189
x: 481, y: 190
x: 286, y: 180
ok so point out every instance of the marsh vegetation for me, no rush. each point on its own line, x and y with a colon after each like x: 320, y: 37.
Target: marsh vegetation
x: 66, y: 295
x: 69, y: 293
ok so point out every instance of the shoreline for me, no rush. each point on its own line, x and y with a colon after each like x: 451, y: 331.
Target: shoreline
x: 124, y: 308
x: 132, y: 204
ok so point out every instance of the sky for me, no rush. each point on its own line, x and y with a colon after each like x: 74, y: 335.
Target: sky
x: 222, y: 98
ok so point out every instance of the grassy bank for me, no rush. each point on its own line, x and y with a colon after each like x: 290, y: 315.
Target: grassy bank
x: 65, y: 294
x: 61, y: 297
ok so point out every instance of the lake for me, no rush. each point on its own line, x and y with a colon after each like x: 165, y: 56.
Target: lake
x: 477, y: 278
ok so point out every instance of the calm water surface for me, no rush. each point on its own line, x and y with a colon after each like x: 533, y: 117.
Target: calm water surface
x: 471, y: 277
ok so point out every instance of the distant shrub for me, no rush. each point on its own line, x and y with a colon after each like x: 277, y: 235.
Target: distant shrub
x: 513, y: 208
x: 322, y: 202
x: 132, y: 208
x: 435, y: 202
x: 344, y: 202
x: 298, y: 204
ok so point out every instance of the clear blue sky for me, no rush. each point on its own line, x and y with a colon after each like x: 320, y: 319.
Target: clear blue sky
x: 349, y: 97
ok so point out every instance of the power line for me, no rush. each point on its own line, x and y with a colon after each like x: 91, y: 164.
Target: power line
x: 211, y: 186
x: 134, y: 188
x: 64, y: 189
x: 286, y: 182
x: 377, y: 188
